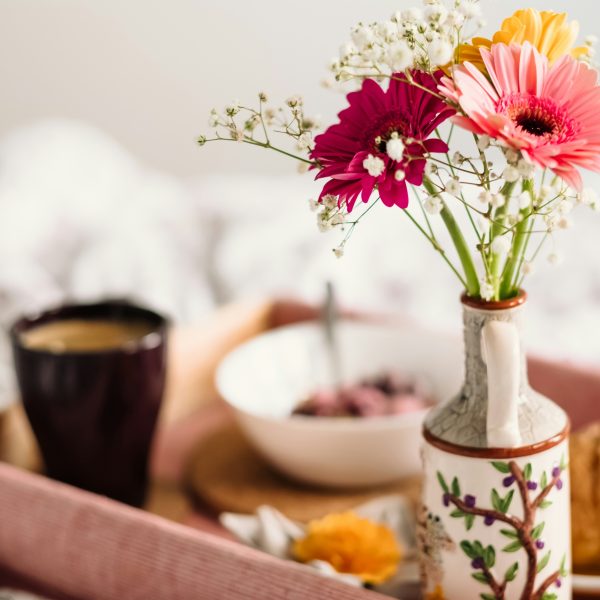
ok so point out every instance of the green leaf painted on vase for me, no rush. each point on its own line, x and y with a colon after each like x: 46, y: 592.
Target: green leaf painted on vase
x: 544, y: 480
x: 536, y: 532
x: 468, y: 549
x: 511, y: 572
x: 542, y: 564
x: 478, y: 548
x: 507, y: 501
x: 501, y: 466
x: 489, y: 557
x: 509, y: 533
x: 443, y: 483
x: 455, y: 488
x: 563, y: 569
x: 496, y: 500
x: 513, y: 547
x: 527, y: 471
x: 469, y: 521
x: 481, y: 577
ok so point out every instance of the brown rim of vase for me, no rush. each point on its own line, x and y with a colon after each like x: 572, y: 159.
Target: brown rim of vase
x: 474, y: 452
x: 480, y: 304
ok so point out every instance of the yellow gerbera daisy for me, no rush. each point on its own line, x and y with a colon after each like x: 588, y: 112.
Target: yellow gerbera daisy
x: 548, y: 31
x: 351, y: 544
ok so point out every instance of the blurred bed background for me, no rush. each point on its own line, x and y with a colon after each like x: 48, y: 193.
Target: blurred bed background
x: 104, y: 192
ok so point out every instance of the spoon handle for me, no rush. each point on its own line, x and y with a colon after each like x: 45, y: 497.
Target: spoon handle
x: 330, y: 318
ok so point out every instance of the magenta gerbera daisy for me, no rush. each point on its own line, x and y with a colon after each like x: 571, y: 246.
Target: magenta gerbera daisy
x: 548, y: 113
x: 382, y: 140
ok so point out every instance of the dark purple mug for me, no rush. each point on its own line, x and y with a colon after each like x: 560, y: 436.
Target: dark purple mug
x: 94, y: 412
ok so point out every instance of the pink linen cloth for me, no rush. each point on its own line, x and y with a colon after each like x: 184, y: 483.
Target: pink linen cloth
x: 88, y: 547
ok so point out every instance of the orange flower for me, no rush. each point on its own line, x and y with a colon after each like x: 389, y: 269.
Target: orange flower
x: 436, y: 594
x: 352, y: 545
x: 547, y: 31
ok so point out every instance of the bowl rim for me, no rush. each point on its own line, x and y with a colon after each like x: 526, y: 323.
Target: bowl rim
x: 384, y: 422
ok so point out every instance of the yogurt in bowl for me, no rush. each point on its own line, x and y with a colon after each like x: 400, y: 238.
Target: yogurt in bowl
x: 264, y: 379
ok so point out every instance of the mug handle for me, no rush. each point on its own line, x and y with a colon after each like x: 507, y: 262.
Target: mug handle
x: 500, y: 348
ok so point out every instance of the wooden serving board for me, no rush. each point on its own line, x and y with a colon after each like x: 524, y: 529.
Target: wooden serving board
x: 227, y: 474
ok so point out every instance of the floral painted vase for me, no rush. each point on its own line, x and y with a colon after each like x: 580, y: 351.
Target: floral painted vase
x: 495, y: 521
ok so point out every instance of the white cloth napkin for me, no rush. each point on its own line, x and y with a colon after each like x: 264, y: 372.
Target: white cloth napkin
x: 272, y: 532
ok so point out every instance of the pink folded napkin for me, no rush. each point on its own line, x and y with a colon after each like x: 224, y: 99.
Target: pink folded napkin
x: 88, y: 547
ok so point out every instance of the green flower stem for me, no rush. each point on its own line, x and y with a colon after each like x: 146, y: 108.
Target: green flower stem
x: 267, y: 145
x: 497, y: 229
x: 518, y: 244
x: 518, y: 247
x: 471, y: 279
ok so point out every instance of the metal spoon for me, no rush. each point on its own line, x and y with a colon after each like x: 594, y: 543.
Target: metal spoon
x: 330, y: 319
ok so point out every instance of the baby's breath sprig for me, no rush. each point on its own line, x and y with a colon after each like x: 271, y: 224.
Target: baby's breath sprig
x: 257, y: 126
x: 414, y: 38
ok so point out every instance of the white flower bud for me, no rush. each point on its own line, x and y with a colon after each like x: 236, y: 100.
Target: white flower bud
x: 470, y: 9
x: 512, y: 156
x: 501, y: 245
x: 395, y: 147
x: 339, y: 251
x: 436, y: 13
x: 440, y: 52
x: 430, y: 168
x: 485, y: 197
x: 412, y: 15
x: 525, y: 168
x: 305, y: 141
x: 564, y: 223
x: 232, y: 109
x: 313, y: 204
x: 524, y: 200
x: 433, y: 205
x: 373, y: 165
x: 483, y: 143
x: 498, y: 200
x: 323, y: 222
x: 555, y: 258
x: 455, y: 19
x: 399, y: 175
x: 453, y: 187
x: 399, y: 56
x: 347, y: 49
x: 511, y: 174
x: 458, y: 159
x: 362, y: 36
x: 387, y: 30
x: 486, y: 290
x: 329, y: 201
x: 527, y: 268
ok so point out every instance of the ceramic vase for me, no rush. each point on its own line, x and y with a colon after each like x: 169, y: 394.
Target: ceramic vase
x: 495, y: 521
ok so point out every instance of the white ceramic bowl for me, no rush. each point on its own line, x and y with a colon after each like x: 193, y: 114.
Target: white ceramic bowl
x: 263, y: 379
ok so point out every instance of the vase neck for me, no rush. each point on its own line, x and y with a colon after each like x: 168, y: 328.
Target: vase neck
x: 476, y: 372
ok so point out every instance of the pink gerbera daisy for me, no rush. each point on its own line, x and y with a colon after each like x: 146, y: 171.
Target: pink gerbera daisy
x: 548, y: 113
x: 381, y: 140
